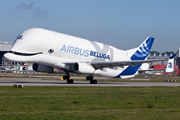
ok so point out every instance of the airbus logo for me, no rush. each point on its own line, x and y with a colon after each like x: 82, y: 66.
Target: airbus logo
x: 83, y: 52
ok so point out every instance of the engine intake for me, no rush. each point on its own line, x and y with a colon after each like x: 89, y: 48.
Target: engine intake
x: 42, y: 68
x: 83, y: 68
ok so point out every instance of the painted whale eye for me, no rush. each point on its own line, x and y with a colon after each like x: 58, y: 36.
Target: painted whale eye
x: 51, y: 50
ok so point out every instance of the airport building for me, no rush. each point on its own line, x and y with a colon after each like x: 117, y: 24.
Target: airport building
x: 160, y: 66
x: 177, y: 58
x: 158, y: 55
x: 4, y: 48
x: 7, y: 66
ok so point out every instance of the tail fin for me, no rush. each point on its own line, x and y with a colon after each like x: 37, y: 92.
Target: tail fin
x: 140, y: 53
x: 170, y: 65
x: 143, y: 50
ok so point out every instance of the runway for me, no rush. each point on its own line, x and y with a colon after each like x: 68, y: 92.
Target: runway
x: 41, y: 82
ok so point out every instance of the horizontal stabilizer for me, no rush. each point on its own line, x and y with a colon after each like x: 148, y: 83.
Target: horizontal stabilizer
x: 127, y: 76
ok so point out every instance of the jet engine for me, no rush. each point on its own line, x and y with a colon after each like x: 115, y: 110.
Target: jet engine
x: 83, y: 68
x: 42, y: 68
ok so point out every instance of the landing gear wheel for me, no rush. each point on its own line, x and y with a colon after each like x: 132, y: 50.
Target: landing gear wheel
x: 95, y: 81
x: 72, y: 81
x: 67, y: 77
x: 91, y: 81
x: 68, y: 81
x: 64, y: 77
x: 87, y: 78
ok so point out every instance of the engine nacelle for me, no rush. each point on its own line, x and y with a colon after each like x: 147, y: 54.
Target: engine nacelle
x: 42, y: 68
x: 83, y: 68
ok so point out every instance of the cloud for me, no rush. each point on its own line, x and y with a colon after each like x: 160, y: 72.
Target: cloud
x: 25, y: 6
x: 40, y: 12
x: 31, y: 6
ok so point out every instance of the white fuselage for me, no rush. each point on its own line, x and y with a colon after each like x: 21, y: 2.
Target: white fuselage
x: 58, y: 49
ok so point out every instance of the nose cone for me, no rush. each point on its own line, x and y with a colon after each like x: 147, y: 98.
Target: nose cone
x: 13, y: 57
x: 9, y: 56
x: 21, y: 58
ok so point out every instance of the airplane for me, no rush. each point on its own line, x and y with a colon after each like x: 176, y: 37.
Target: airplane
x: 170, y: 65
x: 169, y: 68
x: 48, y: 49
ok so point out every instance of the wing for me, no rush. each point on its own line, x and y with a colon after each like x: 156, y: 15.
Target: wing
x: 110, y: 64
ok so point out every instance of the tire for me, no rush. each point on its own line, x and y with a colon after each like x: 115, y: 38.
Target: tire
x: 91, y: 81
x: 95, y: 81
x: 87, y: 78
x: 64, y: 77
x: 68, y: 81
x: 72, y: 81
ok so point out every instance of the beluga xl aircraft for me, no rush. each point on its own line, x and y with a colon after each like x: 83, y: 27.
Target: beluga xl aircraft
x: 49, y: 49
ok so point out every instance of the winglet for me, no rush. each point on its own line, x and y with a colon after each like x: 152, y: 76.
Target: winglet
x: 173, y: 56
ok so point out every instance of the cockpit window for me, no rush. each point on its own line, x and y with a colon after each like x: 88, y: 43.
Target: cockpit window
x: 20, y: 37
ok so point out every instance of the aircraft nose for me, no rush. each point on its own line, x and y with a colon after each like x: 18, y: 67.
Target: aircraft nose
x: 8, y: 56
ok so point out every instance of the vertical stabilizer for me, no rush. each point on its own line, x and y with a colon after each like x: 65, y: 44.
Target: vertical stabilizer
x: 170, y: 65
x: 139, y: 53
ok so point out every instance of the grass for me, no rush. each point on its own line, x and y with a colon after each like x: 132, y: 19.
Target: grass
x: 105, y: 103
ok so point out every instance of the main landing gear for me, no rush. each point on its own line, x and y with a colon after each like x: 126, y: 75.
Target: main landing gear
x: 67, y: 77
x: 69, y: 80
x: 92, y: 81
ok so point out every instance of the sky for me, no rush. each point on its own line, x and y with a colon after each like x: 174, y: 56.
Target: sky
x: 124, y: 24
